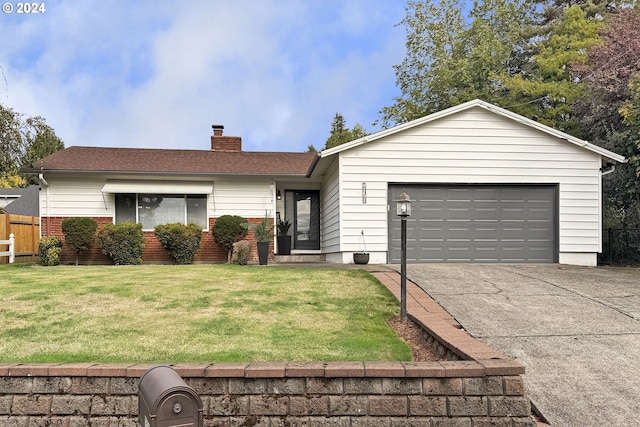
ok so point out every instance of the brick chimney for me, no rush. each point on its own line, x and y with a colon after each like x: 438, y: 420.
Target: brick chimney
x: 224, y: 143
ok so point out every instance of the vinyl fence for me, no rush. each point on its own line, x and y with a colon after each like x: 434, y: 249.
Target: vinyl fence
x: 26, y: 231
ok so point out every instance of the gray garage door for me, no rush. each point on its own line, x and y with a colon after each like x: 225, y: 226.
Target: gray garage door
x: 476, y: 223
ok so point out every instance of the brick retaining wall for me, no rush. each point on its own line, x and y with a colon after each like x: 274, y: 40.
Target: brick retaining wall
x: 447, y: 393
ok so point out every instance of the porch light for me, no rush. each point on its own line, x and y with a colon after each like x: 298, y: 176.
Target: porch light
x: 278, y: 195
x: 403, y: 210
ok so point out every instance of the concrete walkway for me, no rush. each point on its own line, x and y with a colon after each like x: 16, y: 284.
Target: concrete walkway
x: 576, y: 330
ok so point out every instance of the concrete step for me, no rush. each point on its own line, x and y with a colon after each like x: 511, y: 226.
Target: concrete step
x: 306, y: 258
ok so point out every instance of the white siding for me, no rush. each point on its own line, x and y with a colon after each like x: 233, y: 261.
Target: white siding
x: 330, y: 211
x: 249, y: 198
x: 475, y: 147
x: 72, y: 196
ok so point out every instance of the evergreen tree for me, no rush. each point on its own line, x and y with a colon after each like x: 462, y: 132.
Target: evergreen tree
x: 549, y: 91
x: 341, y: 134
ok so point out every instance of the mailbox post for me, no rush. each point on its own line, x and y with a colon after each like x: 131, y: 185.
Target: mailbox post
x: 165, y: 400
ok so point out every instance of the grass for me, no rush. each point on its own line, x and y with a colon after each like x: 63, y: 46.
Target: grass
x: 195, y: 313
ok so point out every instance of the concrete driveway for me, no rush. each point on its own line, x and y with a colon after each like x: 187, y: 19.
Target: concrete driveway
x: 576, y: 330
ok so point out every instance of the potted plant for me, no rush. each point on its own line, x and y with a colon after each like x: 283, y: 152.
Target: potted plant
x: 284, y: 239
x: 363, y: 256
x: 262, y: 233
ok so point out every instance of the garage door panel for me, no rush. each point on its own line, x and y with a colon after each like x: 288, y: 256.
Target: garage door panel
x: 477, y: 223
x: 458, y: 214
x: 486, y: 234
x: 486, y: 214
x: 539, y: 234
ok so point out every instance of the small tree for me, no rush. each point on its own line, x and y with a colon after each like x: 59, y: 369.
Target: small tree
x: 79, y: 233
x: 181, y: 241
x: 227, y: 230
x: 123, y: 242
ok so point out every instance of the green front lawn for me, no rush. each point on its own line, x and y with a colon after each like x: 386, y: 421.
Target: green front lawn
x: 194, y: 313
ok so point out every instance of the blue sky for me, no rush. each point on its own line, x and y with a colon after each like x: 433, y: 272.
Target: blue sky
x: 152, y: 73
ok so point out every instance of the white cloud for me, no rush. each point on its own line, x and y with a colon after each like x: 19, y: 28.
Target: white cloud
x: 158, y: 74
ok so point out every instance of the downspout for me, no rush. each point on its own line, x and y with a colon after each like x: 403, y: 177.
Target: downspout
x: 46, y: 185
x: 612, y: 168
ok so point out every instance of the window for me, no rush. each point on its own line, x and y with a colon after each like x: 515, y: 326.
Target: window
x: 154, y: 209
x: 126, y: 208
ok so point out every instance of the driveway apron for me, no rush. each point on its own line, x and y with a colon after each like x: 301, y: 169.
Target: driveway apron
x: 576, y: 330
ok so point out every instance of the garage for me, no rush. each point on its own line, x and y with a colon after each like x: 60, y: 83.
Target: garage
x: 489, y: 186
x: 477, y: 223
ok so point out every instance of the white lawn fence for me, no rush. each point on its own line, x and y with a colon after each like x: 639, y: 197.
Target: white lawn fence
x: 11, y: 253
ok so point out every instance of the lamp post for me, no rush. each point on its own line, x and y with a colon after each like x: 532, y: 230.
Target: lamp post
x: 403, y: 210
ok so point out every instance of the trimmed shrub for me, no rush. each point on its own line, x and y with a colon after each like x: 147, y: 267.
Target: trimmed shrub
x: 227, y: 230
x: 123, y: 242
x: 49, y: 249
x: 79, y: 233
x: 181, y: 241
x: 241, y: 251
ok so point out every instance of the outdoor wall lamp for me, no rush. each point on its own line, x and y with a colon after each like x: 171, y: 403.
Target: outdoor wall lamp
x: 278, y: 195
x: 403, y: 210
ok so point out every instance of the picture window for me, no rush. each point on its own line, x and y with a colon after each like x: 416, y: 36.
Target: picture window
x: 151, y: 210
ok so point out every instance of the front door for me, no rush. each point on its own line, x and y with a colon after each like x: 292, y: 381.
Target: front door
x: 306, y: 225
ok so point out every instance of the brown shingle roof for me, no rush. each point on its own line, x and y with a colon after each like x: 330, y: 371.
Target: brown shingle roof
x: 101, y: 159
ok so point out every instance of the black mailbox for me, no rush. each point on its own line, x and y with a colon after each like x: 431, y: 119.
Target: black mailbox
x: 165, y: 400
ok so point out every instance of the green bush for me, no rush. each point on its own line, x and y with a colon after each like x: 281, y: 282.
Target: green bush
x: 227, y: 230
x: 241, y: 251
x: 79, y: 233
x: 181, y: 241
x: 123, y: 242
x: 49, y: 249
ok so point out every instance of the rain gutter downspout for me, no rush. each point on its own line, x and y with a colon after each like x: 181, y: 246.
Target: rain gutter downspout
x: 612, y: 168
x: 44, y: 182
x: 609, y: 168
